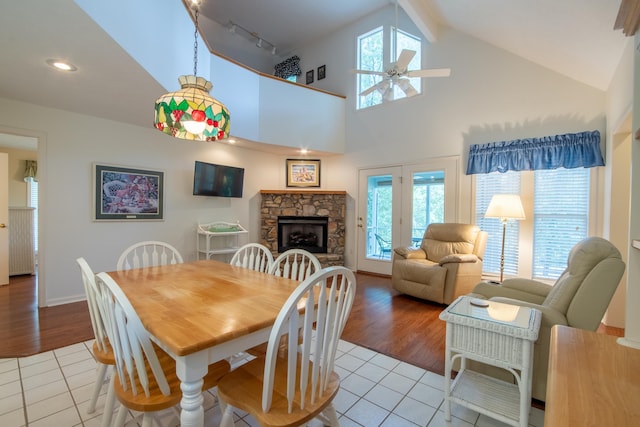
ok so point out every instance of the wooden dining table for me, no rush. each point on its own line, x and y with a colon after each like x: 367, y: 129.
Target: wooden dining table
x: 202, y: 312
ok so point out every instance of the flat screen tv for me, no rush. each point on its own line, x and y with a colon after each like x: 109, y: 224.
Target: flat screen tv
x: 217, y: 180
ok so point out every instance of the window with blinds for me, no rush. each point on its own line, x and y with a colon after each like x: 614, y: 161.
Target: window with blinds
x: 486, y: 186
x: 560, y: 218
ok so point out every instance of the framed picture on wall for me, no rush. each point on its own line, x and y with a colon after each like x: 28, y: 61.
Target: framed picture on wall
x: 309, y: 77
x: 303, y: 173
x: 322, y: 72
x: 123, y: 194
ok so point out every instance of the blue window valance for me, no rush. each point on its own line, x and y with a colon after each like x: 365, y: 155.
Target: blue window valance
x: 571, y: 150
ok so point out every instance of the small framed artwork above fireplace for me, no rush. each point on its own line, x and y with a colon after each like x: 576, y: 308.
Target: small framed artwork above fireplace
x: 303, y: 173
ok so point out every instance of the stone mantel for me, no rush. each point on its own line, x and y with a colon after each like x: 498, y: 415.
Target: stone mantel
x: 311, y: 191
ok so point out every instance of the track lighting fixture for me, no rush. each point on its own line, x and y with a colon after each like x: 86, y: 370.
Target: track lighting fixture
x: 234, y: 28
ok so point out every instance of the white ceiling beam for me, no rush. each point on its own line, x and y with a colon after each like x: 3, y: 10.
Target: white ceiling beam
x: 423, y: 16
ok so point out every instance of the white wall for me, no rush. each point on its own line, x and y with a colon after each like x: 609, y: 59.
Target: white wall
x: 72, y: 142
x: 263, y: 109
x: 618, y: 179
x: 632, y: 331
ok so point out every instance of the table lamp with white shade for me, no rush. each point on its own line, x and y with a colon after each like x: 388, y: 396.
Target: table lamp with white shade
x: 504, y: 207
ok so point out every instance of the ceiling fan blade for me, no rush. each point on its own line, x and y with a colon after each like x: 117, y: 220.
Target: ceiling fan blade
x: 375, y: 73
x: 383, y: 86
x: 433, y: 72
x: 376, y: 86
x: 407, y: 87
x: 404, y: 58
x: 368, y: 91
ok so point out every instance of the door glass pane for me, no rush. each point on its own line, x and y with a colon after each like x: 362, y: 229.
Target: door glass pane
x: 428, y: 202
x: 379, y: 205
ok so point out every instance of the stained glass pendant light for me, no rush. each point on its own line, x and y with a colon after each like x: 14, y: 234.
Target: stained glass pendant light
x: 191, y: 113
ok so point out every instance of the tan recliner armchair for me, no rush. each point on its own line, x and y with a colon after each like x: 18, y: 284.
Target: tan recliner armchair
x: 579, y: 298
x: 447, y: 264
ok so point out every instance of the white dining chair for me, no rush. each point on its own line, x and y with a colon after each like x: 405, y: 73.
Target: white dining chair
x: 296, y: 264
x: 102, y: 351
x: 301, y: 385
x: 253, y: 256
x: 147, y: 380
x: 147, y: 254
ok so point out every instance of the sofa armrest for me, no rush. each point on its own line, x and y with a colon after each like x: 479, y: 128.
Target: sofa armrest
x: 528, y: 285
x: 409, y: 252
x: 490, y: 290
x: 458, y: 258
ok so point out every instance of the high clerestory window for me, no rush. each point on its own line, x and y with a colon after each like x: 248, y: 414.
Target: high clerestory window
x: 373, y: 54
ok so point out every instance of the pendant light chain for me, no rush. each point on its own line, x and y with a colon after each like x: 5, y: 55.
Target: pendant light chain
x: 191, y: 113
x: 195, y: 44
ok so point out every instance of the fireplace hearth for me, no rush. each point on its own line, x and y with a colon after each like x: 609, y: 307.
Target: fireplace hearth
x: 302, y: 232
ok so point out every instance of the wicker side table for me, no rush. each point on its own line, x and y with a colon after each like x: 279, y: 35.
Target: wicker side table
x: 497, y: 334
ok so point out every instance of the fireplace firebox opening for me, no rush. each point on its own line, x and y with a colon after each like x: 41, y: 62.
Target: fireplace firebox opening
x: 302, y: 232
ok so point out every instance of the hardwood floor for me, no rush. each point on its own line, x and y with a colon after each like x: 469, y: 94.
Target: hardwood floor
x: 26, y: 329
x: 381, y: 319
x: 397, y: 325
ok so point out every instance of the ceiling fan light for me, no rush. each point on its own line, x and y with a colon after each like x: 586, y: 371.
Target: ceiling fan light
x: 383, y: 87
x: 389, y: 94
x: 407, y: 88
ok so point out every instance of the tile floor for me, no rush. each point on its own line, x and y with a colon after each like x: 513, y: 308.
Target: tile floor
x: 53, y: 389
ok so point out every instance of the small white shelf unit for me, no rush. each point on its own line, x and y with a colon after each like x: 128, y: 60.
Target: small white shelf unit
x: 219, y: 239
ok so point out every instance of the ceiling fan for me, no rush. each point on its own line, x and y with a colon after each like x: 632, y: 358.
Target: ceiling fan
x: 398, y: 73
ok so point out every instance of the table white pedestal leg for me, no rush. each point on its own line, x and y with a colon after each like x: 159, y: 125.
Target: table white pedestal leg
x: 191, y: 370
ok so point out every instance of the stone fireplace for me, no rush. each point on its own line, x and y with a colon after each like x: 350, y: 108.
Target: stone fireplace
x: 313, y: 207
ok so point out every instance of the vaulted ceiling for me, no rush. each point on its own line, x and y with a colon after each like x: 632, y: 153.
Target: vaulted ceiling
x: 573, y: 37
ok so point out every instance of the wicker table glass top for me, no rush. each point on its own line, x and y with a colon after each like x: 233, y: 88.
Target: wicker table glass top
x: 491, y: 311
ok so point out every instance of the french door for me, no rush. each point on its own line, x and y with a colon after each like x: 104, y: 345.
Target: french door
x: 397, y: 203
x: 378, y: 219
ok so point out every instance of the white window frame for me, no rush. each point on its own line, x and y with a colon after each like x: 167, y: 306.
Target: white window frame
x: 361, y: 101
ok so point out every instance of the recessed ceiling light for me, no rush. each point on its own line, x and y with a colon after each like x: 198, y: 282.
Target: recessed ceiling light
x: 231, y: 141
x: 304, y: 151
x: 61, y: 65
